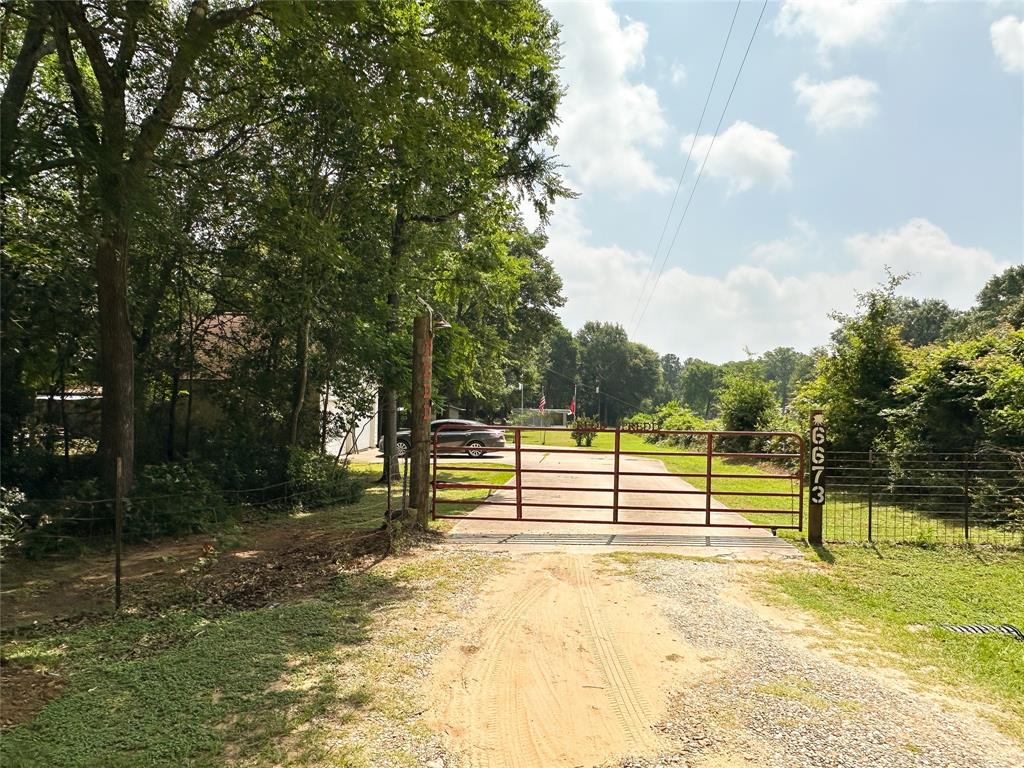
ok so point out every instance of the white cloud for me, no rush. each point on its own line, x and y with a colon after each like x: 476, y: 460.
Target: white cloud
x: 752, y: 305
x: 845, y: 102
x: 743, y: 156
x: 786, y: 252
x: 1008, y: 42
x: 608, y: 122
x: 939, y: 267
x: 677, y: 74
x: 836, y: 23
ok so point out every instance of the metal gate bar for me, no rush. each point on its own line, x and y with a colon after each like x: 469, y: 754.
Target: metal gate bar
x: 615, y: 491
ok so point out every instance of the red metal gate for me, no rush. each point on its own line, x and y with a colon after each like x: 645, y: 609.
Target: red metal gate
x: 742, y: 479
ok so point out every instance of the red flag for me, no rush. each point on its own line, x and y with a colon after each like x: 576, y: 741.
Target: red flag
x: 572, y: 406
x: 543, y: 402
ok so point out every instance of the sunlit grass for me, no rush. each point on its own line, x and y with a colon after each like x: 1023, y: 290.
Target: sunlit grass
x: 899, y: 595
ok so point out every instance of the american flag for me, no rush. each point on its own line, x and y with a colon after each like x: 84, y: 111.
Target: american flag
x: 543, y: 401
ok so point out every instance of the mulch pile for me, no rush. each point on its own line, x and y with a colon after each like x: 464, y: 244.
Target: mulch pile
x: 281, y: 574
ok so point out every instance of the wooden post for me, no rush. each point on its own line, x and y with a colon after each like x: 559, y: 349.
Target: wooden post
x: 816, y: 496
x: 419, y: 469
x: 118, y: 529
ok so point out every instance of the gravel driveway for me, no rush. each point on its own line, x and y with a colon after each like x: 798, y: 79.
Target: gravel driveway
x: 774, y: 700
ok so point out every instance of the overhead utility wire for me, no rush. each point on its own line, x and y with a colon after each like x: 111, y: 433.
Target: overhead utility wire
x: 586, y: 386
x: 700, y: 173
x: 682, y: 176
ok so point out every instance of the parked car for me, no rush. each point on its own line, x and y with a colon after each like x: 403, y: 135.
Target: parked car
x: 472, y: 435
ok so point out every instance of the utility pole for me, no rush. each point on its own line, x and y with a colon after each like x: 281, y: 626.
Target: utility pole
x: 419, y: 464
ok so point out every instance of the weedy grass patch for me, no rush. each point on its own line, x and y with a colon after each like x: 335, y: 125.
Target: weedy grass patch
x: 187, y: 689
x: 286, y: 651
x: 892, y: 600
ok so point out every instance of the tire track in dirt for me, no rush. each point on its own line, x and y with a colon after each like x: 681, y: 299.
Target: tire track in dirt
x: 497, y: 675
x: 570, y: 667
x: 626, y: 696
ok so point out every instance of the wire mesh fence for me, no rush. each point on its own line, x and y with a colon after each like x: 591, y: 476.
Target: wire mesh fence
x: 68, y: 527
x: 973, y: 498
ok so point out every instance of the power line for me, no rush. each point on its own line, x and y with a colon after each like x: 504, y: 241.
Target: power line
x: 700, y: 173
x: 584, y: 386
x: 682, y: 176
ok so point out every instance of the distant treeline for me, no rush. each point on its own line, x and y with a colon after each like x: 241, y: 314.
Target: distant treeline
x: 899, y: 374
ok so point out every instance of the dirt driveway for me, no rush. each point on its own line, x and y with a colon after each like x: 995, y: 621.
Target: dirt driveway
x: 571, y: 658
x: 579, y: 660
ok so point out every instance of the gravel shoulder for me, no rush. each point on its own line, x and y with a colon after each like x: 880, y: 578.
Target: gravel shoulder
x: 779, y: 696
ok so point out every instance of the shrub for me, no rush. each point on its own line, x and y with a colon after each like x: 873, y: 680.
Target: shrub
x: 672, y: 417
x: 316, y: 480
x: 12, y: 519
x: 748, y: 405
x: 172, y: 499
x: 584, y: 429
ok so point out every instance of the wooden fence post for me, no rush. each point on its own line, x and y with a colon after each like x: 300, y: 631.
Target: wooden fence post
x: 816, y: 497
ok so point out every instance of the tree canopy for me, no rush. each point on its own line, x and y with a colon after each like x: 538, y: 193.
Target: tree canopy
x: 256, y: 199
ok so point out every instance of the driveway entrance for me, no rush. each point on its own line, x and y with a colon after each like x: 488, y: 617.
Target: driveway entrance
x: 725, y: 483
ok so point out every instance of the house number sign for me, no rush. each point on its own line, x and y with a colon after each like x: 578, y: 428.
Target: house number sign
x: 817, y: 495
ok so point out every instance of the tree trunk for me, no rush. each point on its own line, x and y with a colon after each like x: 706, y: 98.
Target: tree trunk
x: 64, y: 421
x: 390, y: 433
x: 325, y: 415
x: 301, y: 379
x: 19, y: 80
x: 419, y: 463
x: 179, y: 331
x: 117, y: 362
x: 390, y: 403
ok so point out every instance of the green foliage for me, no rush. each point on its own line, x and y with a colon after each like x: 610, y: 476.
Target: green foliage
x: 699, y: 381
x: 853, y: 383
x: 315, y: 479
x: 11, y: 519
x: 924, y: 322
x: 747, y: 404
x: 999, y: 302
x: 961, y: 396
x: 326, y: 167
x: 672, y: 417
x: 583, y: 427
x: 172, y: 499
x: 626, y: 372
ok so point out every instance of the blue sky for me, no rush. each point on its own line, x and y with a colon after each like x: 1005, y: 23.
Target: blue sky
x: 860, y: 136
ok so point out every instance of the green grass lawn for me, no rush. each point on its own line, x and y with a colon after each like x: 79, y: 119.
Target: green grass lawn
x: 369, y: 508
x: 891, y: 598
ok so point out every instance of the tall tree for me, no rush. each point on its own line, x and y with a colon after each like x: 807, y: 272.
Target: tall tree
x: 853, y: 384
x: 699, y: 383
x: 139, y: 58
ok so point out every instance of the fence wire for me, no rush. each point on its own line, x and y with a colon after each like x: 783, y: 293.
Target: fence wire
x: 973, y: 497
